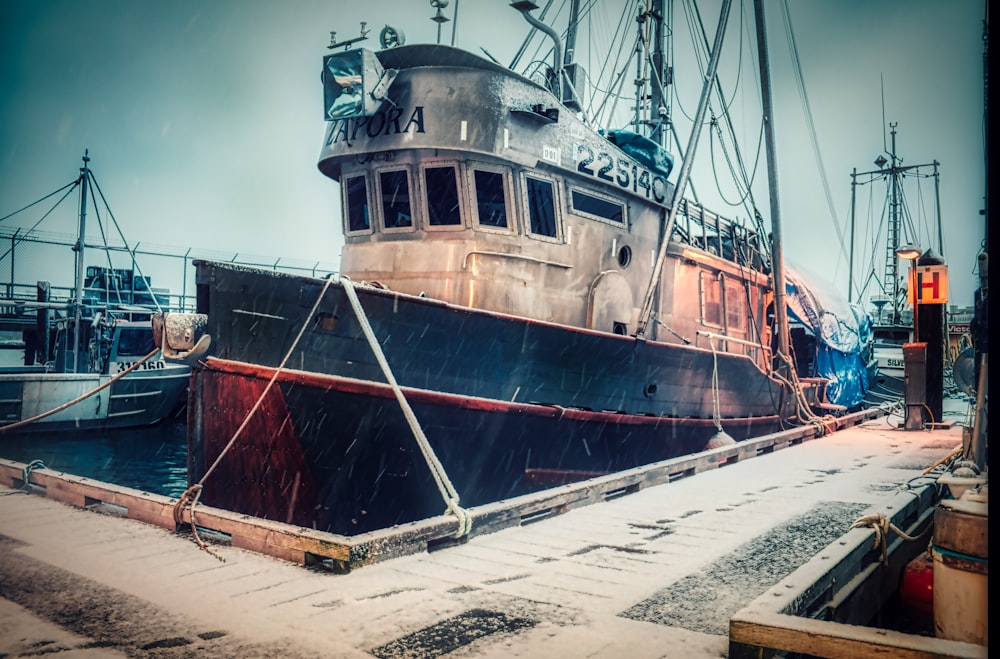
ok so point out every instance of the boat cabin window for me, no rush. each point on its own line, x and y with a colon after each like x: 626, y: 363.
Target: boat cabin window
x: 711, y: 300
x: 441, y: 184
x: 356, y: 195
x: 136, y: 342
x: 736, y: 306
x: 724, y: 303
x: 541, y: 206
x: 598, y: 207
x: 395, y: 194
x: 491, y: 198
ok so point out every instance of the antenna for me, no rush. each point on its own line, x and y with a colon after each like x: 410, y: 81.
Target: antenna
x: 881, y: 78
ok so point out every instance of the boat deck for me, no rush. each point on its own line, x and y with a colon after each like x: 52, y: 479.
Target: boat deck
x: 655, y: 573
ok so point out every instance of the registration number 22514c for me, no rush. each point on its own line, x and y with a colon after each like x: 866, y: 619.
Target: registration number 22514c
x: 625, y: 174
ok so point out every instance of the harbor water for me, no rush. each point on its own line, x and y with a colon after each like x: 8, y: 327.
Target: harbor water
x: 150, y: 459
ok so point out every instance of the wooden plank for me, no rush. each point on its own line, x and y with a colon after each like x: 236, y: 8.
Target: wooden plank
x: 760, y: 636
x: 846, y: 583
x: 345, y: 553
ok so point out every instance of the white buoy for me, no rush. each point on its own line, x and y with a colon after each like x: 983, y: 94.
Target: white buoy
x: 719, y: 439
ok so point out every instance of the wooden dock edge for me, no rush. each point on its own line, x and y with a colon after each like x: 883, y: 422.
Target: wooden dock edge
x: 342, y: 554
x: 821, y: 609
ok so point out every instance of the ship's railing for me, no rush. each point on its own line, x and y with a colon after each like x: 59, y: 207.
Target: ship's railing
x: 29, y: 257
x: 703, y: 229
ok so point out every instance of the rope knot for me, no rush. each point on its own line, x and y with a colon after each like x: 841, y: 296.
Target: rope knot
x: 881, y: 525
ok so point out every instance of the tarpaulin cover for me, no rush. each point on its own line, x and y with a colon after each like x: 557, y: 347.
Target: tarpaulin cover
x: 643, y: 149
x: 843, y: 333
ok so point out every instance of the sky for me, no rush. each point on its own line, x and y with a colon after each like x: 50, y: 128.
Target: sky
x: 203, y: 119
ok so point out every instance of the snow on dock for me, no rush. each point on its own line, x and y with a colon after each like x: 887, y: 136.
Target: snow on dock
x: 658, y: 571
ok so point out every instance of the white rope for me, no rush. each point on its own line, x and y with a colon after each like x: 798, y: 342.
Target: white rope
x: 189, y: 499
x: 881, y: 525
x: 716, y: 414
x: 448, y: 492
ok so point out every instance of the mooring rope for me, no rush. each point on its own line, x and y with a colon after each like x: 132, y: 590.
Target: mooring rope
x: 448, y: 492
x: 26, y: 477
x: 191, y: 496
x: 62, y: 407
x: 881, y: 525
x: 716, y: 413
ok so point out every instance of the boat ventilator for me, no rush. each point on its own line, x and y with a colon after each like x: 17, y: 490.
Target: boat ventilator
x: 448, y: 492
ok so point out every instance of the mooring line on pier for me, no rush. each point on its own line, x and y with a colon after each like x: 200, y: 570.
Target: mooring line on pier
x: 447, y: 490
x: 191, y: 496
x: 26, y: 478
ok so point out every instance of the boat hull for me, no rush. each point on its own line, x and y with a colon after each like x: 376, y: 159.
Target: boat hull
x: 339, y: 455
x: 264, y: 317
x: 140, y: 399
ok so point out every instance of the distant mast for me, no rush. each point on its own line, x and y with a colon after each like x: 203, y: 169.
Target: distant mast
x: 894, y: 232
x: 78, y: 313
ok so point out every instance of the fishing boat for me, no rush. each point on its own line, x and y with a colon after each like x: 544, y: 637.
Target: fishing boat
x: 882, y: 284
x: 88, y: 360
x: 524, y: 300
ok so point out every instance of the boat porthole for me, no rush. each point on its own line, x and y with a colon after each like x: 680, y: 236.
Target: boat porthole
x: 650, y: 390
x: 624, y: 256
x: 621, y: 329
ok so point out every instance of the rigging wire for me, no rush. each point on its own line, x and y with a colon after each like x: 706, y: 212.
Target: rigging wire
x: 71, y: 186
x: 121, y: 236
x: 615, y: 80
x: 741, y: 179
x: 804, y: 97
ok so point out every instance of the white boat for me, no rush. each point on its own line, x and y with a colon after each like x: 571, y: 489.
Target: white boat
x: 89, y: 360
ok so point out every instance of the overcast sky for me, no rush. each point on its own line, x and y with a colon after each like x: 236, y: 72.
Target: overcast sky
x: 204, y: 118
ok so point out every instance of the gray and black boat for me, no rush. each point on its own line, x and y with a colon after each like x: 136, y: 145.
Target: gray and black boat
x: 524, y: 300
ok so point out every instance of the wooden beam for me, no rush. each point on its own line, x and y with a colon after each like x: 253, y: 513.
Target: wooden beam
x: 808, y: 611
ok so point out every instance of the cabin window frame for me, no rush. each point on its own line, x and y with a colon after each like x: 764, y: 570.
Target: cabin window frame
x: 735, y: 304
x: 624, y: 224
x: 471, y: 167
x: 460, y: 196
x: 716, y: 286
x: 524, y: 207
x: 345, y: 204
x: 379, y: 198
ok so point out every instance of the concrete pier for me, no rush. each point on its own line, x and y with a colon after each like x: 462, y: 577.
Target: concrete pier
x: 654, y: 573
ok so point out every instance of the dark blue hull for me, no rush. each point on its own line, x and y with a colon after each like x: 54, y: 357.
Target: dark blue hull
x: 338, y: 454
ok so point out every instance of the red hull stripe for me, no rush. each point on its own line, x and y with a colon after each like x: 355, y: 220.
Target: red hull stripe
x: 426, y: 397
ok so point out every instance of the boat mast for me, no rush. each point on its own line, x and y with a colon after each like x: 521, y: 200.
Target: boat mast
x: 659, y: 116
x: 850, y: 263
x: 78, y: 312
x: 894, y: 170
x: 891, y: 260
x: 647, y: 306
x: 777, y: 251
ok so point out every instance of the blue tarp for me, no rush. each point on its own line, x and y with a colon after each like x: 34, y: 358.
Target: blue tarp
x: 843, y: 335
x: 643, y: 149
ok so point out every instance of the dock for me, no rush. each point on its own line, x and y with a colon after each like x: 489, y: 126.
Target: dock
x: 657, y: 571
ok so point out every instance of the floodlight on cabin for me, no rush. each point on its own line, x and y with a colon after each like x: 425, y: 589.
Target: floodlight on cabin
x: 439, y: 5
x: 908, y: 252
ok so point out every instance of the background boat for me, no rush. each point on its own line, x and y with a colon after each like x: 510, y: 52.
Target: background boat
x: 88, y: 360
